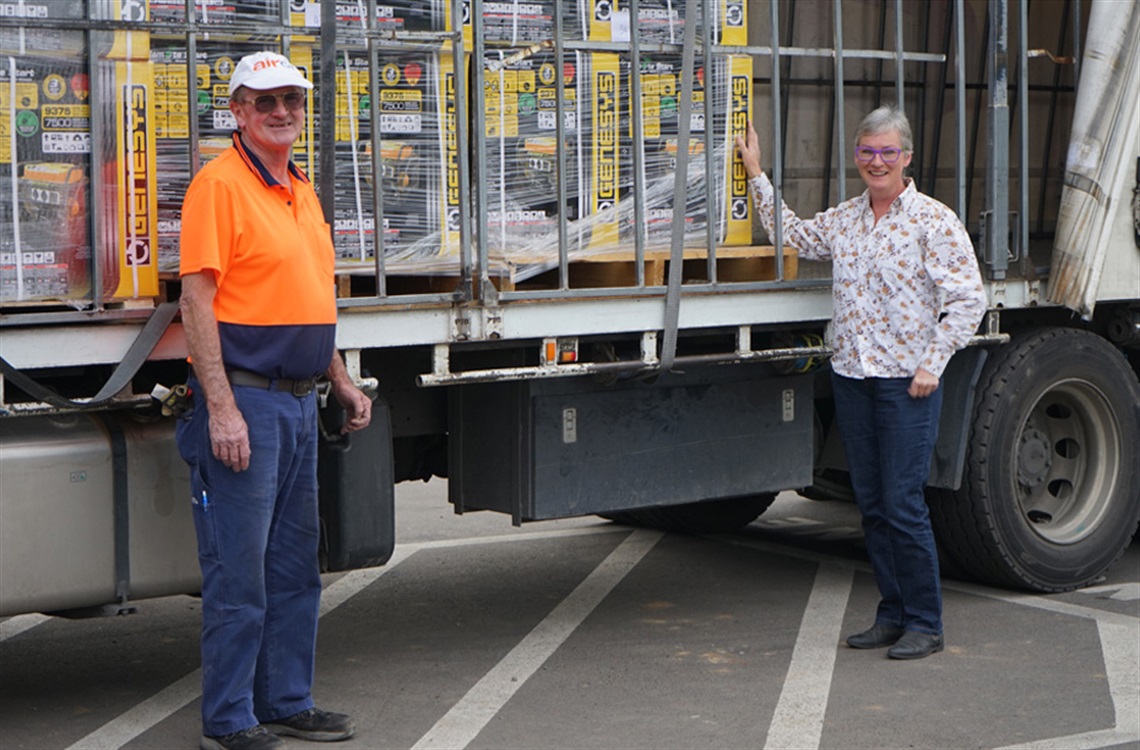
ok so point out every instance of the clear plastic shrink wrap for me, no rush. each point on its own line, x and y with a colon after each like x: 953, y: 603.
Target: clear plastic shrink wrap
x: 45, y: 110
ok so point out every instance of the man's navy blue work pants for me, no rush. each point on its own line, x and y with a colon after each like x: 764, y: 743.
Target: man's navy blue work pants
x: 257, y: 548
x: 889, y: 440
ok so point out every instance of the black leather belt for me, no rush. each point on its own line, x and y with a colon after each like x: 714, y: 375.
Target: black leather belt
x: 252, y: 379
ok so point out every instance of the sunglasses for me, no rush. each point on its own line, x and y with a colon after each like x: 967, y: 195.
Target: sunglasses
x: 889, y: 155
x: 267, y: 103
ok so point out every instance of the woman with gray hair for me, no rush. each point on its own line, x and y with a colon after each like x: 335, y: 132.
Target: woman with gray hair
x: 907, y: 294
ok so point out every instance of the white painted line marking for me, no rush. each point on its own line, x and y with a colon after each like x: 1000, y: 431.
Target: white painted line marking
x: 1121, y: 647
x: 126, y: 726
x: 1123, y: 592
x: 353, y: 582
x: 1119, y: 636
x: 1036, y: 601
x: 798, y: 719
x: 160, y: 706
x: 467, y: 718
x: 13, y: 626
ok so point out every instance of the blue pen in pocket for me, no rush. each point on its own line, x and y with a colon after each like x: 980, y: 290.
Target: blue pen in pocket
x: 205, y: 501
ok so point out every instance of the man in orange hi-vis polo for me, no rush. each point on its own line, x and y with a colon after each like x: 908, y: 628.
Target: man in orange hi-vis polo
x: 259, y: 311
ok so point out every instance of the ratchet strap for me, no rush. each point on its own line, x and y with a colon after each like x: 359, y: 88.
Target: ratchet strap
x: 140, y: 349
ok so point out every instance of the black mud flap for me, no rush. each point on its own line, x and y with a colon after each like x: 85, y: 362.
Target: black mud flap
x: 960, y: 381
x: 357, y: 496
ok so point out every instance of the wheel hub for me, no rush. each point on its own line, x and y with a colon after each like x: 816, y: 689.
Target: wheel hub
x: 1034, y: 457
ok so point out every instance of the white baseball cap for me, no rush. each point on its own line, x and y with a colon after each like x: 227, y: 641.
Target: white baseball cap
x: 262, y: 71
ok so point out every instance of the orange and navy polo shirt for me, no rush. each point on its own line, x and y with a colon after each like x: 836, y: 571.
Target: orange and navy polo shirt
x: 272, y: 255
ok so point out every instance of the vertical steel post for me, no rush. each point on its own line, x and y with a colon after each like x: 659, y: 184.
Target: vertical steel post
x: 1023, y: 123
x: 463, y: 151
x: 997, y: 174
x: 960, y: 104
x: 840, y: 105
x: 479, y: 138
x: 326, y: 157
x: 899, y: 59
x: 777, y: 139
x: 560, y: 148
x: 96, y: 214
x: 377, y: 155
x: 640, y: 228
x: 712, y: 183
x: 192, y: 93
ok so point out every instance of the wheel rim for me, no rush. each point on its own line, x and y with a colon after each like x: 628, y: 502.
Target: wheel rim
x: 1068, y: 462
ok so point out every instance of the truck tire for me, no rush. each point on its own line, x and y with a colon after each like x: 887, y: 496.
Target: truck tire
x: 1051, y: 492
x: 706, y: 517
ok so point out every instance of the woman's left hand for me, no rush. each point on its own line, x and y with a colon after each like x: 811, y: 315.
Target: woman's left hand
x: 923, y: 384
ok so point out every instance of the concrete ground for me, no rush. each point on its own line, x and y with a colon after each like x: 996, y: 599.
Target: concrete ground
x: 587, y: 634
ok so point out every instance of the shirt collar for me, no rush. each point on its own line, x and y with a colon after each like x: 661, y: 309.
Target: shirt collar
x: 258, y: 167
x: 903, y: 200
x: 906, y: 197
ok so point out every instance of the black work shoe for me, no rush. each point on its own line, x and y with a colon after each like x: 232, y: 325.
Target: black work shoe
x: 314, y: 725
x: 877, y: 636
x: 915, y: 645
x: 254, y: 738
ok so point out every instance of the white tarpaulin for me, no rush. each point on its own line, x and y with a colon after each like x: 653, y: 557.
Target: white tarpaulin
x: 1102, y: 151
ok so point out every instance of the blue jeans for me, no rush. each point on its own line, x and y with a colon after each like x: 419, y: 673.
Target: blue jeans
x: 889, y: 440
x: 257, y: 547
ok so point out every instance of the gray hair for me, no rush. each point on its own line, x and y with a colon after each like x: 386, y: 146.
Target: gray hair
x: 884, y: 120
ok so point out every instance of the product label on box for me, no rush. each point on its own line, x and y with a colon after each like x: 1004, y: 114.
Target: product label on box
x: 604, y: 159
x: 729, y: 85
x: 66, y: 143
x: 66, y: 116
x: 27, y: 10
x: 215, y: 11
x: 51, y: 116
x: 449, y: 215
x: 734, y: 30
x: 406, y: 15
x: 663, y: 21
x: 516, y: 22
x: 25, y: 91
x: 401, y: 111
x: 739, y: 207
x: 135, y: 178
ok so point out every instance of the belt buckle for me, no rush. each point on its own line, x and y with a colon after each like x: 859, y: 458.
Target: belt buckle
x: 303, y: 387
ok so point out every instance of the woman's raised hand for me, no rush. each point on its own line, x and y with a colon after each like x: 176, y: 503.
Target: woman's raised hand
x: 749, y: 148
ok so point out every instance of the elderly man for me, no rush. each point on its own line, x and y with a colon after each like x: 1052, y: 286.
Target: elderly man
x: 259, y: 311
x: 907, y: 294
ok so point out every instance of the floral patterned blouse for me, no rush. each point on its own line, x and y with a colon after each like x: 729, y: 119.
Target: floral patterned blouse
x: 907, y: 290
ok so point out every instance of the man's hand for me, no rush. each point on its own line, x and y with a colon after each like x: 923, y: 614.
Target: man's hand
x: 229, y: 438
x: 922, y: 385
x: 749, y: 148
x: 357, y: 406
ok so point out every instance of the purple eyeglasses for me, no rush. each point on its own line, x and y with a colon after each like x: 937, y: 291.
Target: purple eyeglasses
x: 889, y: 155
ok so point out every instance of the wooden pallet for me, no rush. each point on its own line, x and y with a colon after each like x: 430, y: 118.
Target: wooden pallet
x: 733, y: 264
